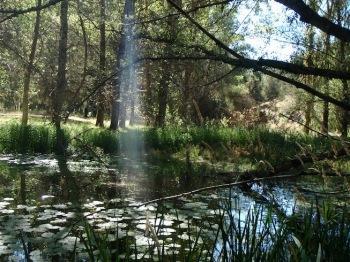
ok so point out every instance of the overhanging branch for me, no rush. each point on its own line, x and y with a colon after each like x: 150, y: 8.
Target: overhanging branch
x: 16, y: 12
x: 308, y: 15
x: 248, y: 63
x: 276, y: 64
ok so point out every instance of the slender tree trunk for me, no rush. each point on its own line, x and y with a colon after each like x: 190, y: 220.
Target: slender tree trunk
x: 84, y: 73
x: 163, y: 97
x: 146, y: 86
x: 325, y: 114
x: 187, y: 95
x: 28, y: 73
x: 101, y: 98
x: 344, y: 115
x: 345, y: 118
x: 308, y: 113
x: 310, y: 100
x: 132, y: 112
x: 59, y: 93
x: 198, y: 111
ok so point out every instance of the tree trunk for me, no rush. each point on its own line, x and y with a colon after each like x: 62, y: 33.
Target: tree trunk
x: 118, y: 113
x: 162, y: 96
x: 101, y: 98
x: 116, y: 85
x: 28, y: 73
x: 325, y: 114
x: 59, y: 93
x: 187, y: 95
x: 146, y: 87
x: 308, y: 113
x: 132, y: 112
x: 345, y: 114
x: 310, y: 34
x: 344, y: 119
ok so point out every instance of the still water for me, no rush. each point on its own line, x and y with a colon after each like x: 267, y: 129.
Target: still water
x: 45, y: 202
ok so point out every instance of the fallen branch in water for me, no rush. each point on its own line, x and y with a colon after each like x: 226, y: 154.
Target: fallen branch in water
x: 249, y: 178
x: 254, y: 180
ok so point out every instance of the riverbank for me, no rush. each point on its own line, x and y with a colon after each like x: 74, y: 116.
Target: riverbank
x: 211, y: 143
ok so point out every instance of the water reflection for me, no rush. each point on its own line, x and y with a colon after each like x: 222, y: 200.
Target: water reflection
x: 42, y: 196
x: 67, y: 181
x: 23, y: 189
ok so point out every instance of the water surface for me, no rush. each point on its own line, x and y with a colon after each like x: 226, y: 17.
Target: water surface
x: 41, y: 198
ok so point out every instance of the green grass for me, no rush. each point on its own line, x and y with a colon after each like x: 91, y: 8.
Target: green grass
x: 37, y: 138
x: 215, y: 142
x: 225, y: 144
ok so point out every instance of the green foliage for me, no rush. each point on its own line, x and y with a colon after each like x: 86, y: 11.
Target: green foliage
x: 323, y: 231
x: 15, y: 138
x: 105, y: 139
x: 257, y: 143
x: 227, y: 143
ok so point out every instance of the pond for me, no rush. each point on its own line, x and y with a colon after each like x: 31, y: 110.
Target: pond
x: 46, y: 205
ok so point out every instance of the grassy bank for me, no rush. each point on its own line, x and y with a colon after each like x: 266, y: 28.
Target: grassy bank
x: 220, y: 143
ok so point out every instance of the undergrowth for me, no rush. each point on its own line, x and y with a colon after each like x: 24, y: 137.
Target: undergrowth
x: 217, y: 142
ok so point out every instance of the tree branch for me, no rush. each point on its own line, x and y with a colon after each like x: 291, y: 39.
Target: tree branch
x: 196, y: 191
x: 193, y: 10
x: 303, y: 70
x: 282, y: 65
x: 16, y: 12
x: 308, y: 15
x: 253, y: 64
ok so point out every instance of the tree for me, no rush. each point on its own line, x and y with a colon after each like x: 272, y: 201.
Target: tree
x: 101, y: 98
x: 117, y: 107
x: 345, y: 92
x: 59, y: 92
x: 29, y: 69
x: 325, y: 115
